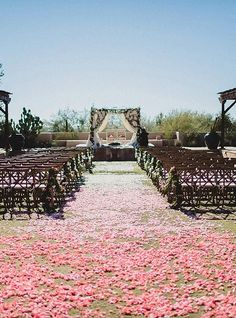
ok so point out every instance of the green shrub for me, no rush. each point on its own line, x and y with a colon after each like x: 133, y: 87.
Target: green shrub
x: 29, y: 126
x: 2, y: 131
x: 69, y: 120
x: 72, y: 135
x: 188, y: 122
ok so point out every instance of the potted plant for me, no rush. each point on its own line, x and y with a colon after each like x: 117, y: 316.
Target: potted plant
x: 212, y: 139
x: 17, y: 142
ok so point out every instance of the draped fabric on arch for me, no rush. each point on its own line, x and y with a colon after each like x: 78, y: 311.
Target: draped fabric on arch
x: 130, y: 128
x: 99, y: 119
x: 131, y: 121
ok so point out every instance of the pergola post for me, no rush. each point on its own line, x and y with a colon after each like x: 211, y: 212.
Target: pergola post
x: 5, y: 100
x: 222, y: 138
x: 6, y: 127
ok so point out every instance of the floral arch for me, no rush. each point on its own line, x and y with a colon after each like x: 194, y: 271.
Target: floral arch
x: 99, y: 118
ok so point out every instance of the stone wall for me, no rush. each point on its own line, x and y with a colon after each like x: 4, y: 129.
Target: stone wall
x: 62, y: 139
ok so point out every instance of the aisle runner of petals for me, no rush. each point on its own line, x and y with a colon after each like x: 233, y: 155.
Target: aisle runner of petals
x: 120, y: 252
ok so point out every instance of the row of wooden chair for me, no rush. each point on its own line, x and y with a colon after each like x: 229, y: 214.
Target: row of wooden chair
x: 40, y: 182
x: 191, y: 179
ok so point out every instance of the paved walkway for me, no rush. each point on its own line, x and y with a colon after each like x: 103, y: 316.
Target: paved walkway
x: 120, y: 252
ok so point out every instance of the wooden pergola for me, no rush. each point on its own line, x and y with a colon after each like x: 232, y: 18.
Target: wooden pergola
x: 4, y: 101
x: 229, y: 95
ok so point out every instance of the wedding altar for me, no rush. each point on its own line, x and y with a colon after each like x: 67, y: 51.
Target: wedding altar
x: 116, y: 146
x: 99, y: 118
x: 115, y: 153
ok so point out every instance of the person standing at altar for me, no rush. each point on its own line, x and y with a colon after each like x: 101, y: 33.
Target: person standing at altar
x: 142, y: 137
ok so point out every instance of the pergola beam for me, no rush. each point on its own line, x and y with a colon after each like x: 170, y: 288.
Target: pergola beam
x: 229, y: 107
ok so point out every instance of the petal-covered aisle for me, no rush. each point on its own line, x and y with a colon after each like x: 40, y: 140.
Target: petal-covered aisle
x: 119, y: 252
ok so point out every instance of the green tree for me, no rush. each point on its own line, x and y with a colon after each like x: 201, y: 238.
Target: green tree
x: 228, y: 123
x: 230, y: 128
x: 159, y: 119
x: 29, y: 126
x: 152, y: 124
x: 2, y: 130
x: 148, y: 123
x: 232, y: 133
x: 83, y: 120
x: 188, y: 122
x: 69, y: 120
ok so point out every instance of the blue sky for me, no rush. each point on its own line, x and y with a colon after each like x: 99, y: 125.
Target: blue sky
x: 159, y: 55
